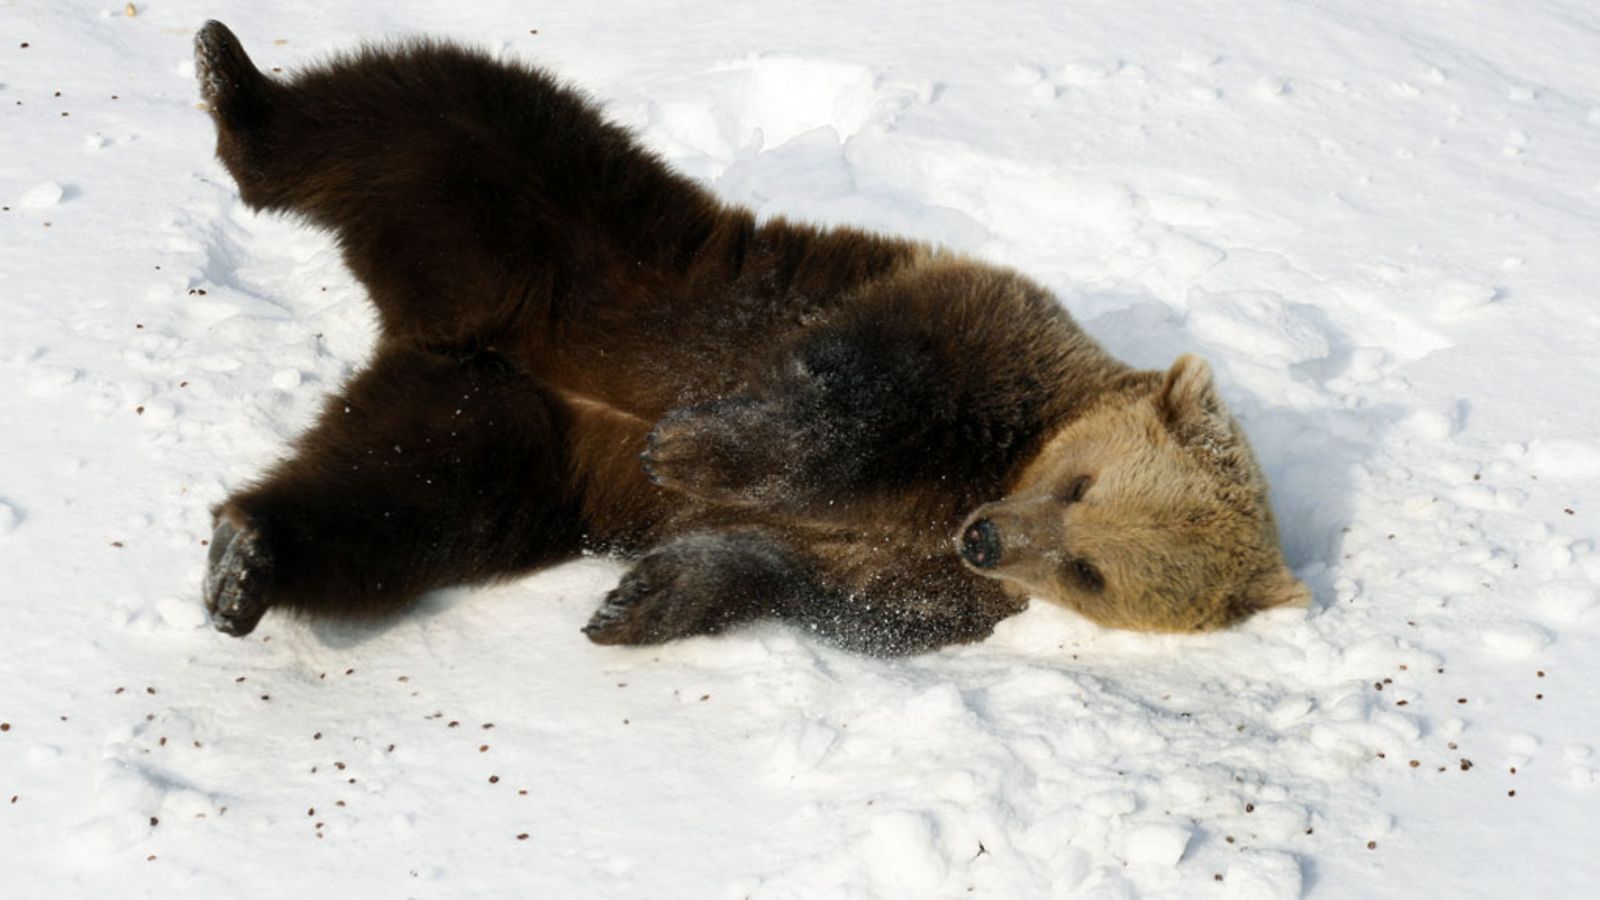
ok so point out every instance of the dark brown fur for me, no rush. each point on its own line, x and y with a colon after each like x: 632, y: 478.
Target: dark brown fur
x: 818, y: 410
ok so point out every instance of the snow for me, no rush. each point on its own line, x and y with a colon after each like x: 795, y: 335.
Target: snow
x: 1377, y: 221
x: 42, y: 196
x: 1155, y: 844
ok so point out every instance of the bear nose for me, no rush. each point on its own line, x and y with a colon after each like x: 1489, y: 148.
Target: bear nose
x: 980, y: 544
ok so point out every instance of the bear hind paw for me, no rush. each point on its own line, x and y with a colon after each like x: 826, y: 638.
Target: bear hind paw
x: 235, y: 587
x: 230, y: 83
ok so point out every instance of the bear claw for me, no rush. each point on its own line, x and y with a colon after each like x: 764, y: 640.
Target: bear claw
x: 615, y: 621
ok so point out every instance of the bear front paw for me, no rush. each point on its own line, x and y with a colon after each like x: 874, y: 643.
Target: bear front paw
x: 235, y: 588
x: 658, y: 600
x: 730, y: 452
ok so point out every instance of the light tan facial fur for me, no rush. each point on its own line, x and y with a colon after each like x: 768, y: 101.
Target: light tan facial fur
x: 1148, y: 512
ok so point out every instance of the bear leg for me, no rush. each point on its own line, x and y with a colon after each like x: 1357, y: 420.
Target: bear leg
x: 425, y: 471
x: 463, y: 192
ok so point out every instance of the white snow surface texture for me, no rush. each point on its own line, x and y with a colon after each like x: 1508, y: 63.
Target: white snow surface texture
x: 1380, y: 222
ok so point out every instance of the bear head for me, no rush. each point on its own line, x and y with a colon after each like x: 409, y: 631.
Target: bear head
x: 1148, y: 512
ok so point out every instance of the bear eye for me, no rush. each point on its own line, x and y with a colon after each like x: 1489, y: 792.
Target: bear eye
x: 1087, y: 575
x: 1076, y: 489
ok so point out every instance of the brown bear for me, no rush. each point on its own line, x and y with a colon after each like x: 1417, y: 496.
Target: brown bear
x: 582, y: 350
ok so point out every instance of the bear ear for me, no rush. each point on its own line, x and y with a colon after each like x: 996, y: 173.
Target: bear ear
x: 1191, y: 407
x: 1274, y: 588
x: 1189, y: 393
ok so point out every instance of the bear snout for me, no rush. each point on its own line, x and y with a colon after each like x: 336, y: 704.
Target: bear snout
x: 980, y: 544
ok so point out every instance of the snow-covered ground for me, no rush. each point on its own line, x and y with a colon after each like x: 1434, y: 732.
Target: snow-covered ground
x: 1381, y: 222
